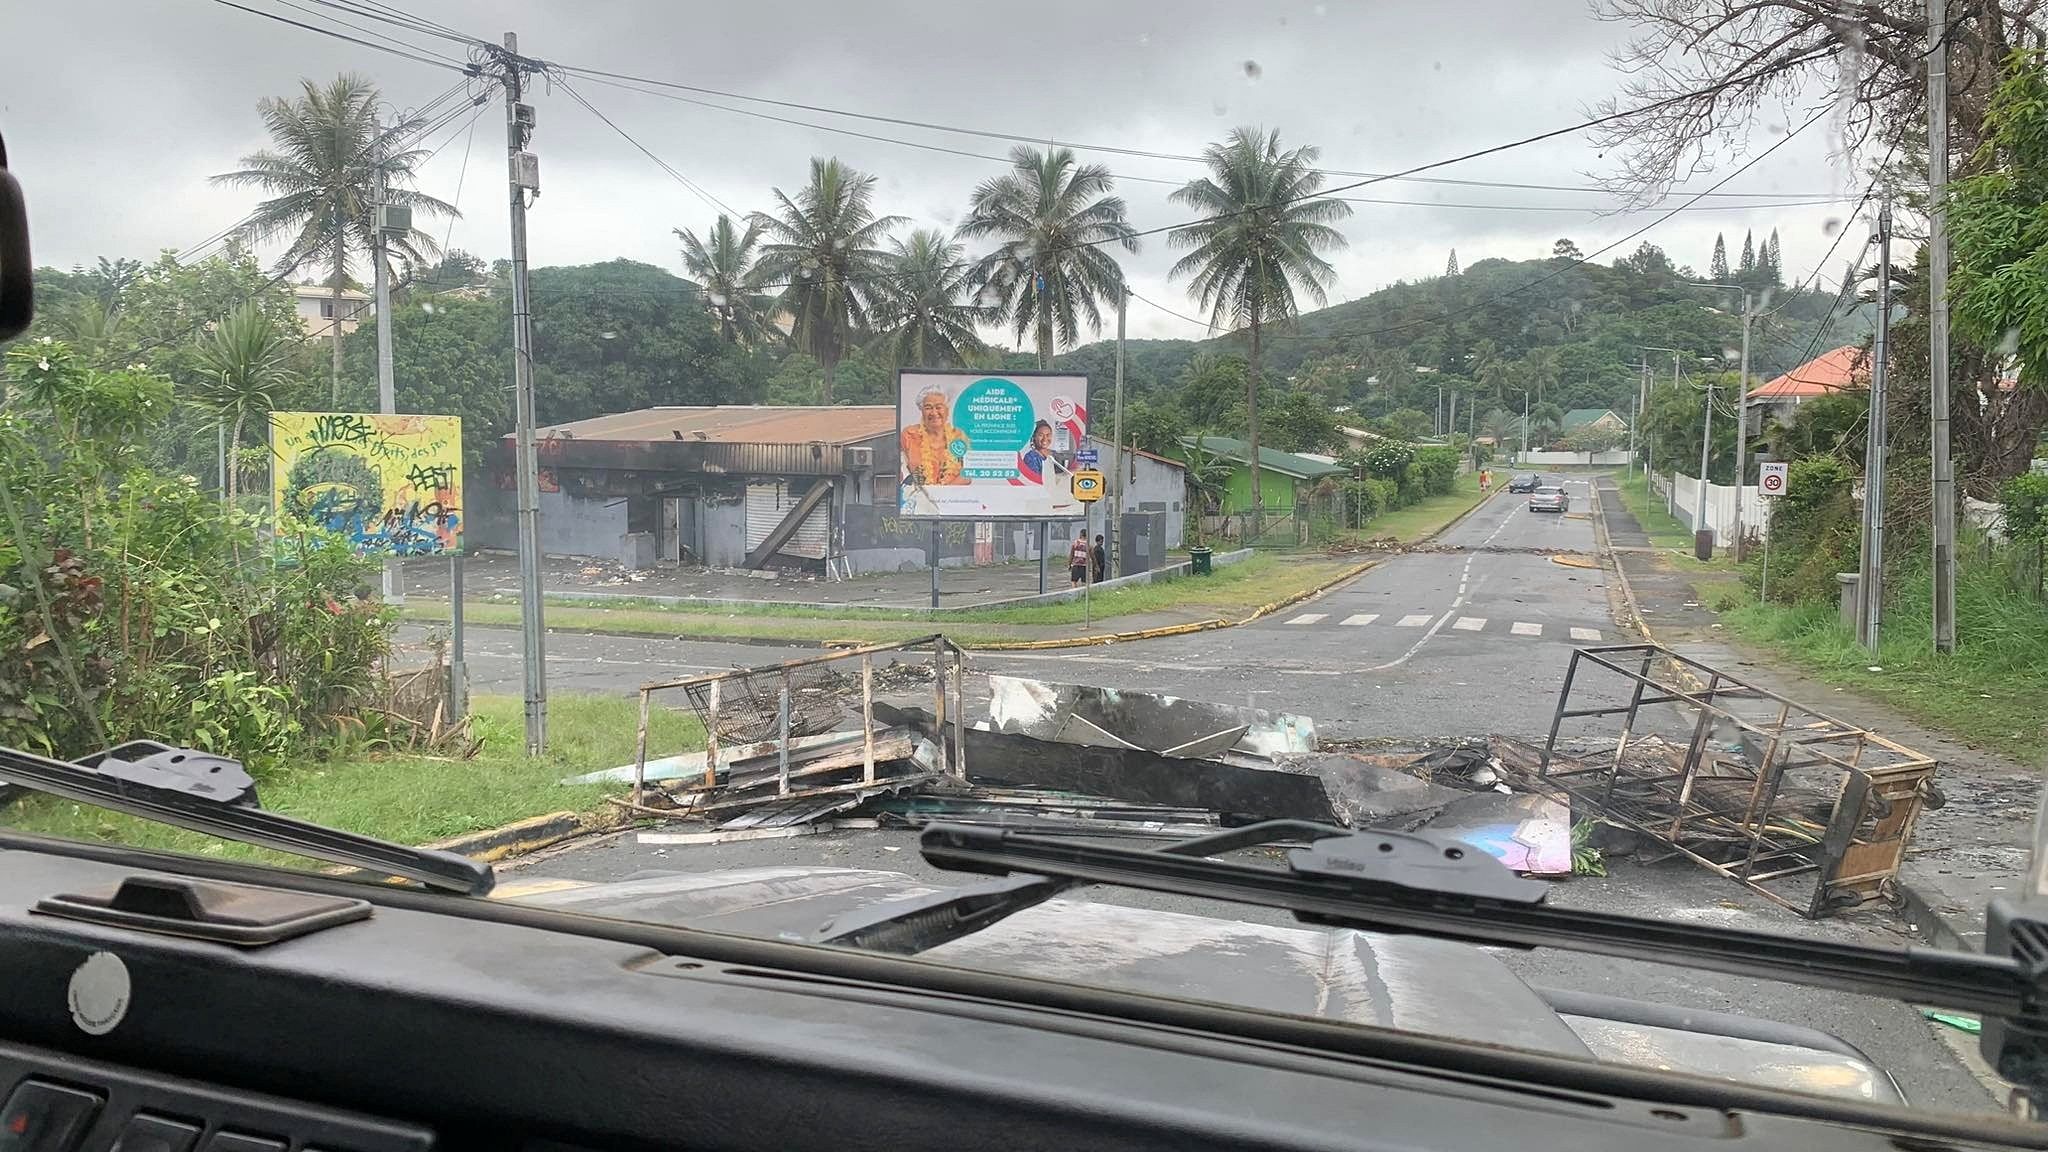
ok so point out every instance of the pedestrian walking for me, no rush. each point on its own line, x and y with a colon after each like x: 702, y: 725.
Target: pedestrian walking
x: 1101, y: 556
x: 1485, y: 479
x: 1077, y: 561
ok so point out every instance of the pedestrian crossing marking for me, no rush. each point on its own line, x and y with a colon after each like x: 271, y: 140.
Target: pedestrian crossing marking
x: 1310, y: 618
x: 1592, y: 634
x: 1415, y: 620
x: 1359, y: 619
x: 1469, y: 623
x: 1522, y: 628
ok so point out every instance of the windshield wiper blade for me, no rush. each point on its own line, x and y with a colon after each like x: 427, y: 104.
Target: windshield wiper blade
x: 1347, y: 879
x: 909, y: 926
x: 183, y: 787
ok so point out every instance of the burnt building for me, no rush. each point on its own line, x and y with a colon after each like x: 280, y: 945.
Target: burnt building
x: 724, y: 487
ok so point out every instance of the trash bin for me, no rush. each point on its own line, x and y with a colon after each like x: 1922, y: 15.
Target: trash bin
x: 1703, y: 544
x: 1850, y: 599
x: 1198, y: 561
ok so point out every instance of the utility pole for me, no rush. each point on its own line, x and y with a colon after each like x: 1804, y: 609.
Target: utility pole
x: 1635, y: 415
x: 1870, y: 588
x: 1525, y: 424
x: 1742, y: 421
x: 1451, y: 426
x: 387, y: 389
x: 1699, y: 513
x: 524, y: 174
x: 1436, y: 418
x: 1116, y: 441
x: 1937, y: 326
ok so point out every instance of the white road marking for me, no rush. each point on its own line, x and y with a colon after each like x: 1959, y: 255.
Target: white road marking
x: 1522, y: 628
x: 1470, y: 623
x: 1360, y: 619
x: 1586, y: 634
x: 1310, y: 618
x: 1415, y: 620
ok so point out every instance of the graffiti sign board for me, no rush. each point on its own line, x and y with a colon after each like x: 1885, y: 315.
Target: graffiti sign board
x: 990, y: 446
x: 390, y: 483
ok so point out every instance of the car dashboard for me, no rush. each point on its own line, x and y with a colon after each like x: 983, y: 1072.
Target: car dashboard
x: 488, y: 1025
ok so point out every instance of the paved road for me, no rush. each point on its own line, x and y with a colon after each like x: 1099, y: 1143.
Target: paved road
x: 1437, y: 643
x: 1467, y: 640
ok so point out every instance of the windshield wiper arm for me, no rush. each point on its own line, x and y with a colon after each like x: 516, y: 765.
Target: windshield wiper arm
x: 1394, y: 882
x: 184, y: 787
x: 909, y: 926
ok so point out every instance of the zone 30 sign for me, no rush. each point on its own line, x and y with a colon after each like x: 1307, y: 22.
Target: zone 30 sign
x: 1770, y: 480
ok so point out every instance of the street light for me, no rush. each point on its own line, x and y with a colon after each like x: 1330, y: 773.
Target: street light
x: 1741, y: 430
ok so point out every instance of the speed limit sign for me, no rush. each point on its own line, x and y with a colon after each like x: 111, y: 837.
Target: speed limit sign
x: 1770, y: 479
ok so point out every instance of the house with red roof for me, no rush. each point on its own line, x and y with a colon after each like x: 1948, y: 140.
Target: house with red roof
x: 1845, y: 369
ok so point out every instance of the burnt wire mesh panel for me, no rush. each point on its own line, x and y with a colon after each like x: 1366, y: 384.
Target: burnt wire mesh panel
x: 749, y: 703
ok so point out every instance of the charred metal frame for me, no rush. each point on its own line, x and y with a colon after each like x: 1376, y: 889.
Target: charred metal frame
x: 1854, y: 857
x: 952, y: 752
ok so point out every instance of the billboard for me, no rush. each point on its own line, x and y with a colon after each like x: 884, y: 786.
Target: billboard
x: 990, y: 446
x: 391, y: 484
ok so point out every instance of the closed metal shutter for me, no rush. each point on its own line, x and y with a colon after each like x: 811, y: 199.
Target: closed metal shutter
x: 767, y: 504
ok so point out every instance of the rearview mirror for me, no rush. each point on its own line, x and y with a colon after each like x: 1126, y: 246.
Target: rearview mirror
x: 17, y: 270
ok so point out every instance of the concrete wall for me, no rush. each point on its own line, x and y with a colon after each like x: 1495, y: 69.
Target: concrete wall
x: 1564, y: 459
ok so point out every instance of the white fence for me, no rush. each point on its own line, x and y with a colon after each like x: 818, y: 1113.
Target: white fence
x: 1682, y: 494
x: 1581, y: 459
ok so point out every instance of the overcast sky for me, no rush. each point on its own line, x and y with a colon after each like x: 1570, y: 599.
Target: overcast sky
x: 116, y: 112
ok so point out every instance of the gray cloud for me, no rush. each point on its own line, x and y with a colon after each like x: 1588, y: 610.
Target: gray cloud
x: 115, y: 113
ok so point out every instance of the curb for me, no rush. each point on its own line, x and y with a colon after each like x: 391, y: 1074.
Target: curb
x: 1051, y: 643
x: 514, y: 839
x: 1913, y: 907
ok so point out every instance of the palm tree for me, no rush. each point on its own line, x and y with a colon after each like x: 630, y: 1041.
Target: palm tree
x: 1049, y: 274
x: 723, y: 264
x: 244, y: 357
x: 925, y: 311
x: 1497, y: 425
x: 327, y: 151
x: 822, y: 246
x: 1259, y: 243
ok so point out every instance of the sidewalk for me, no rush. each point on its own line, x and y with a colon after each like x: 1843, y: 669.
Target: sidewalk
x: 1974, y: 847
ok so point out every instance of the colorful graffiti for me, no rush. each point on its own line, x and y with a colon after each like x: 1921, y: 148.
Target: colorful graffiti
x: 392, y: 484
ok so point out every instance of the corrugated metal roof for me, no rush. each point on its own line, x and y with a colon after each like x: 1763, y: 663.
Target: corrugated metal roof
x: 735, y: 424
x: 1844, y: 368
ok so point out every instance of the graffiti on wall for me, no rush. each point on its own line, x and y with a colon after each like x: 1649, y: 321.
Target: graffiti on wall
x: 392, y: 484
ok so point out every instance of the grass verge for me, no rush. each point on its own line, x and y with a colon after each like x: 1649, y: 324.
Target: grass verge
x: 1429, y: 514
x: 1233, y: 590
x: 410, y: 798
x: 1667, y: 532
x: 1988, y: 692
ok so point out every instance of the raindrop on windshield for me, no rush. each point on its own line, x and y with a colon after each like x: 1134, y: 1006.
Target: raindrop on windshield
x: 1220, y: 108
x: 427, y: 306
x: 2009, y: 344
x: 1252, y: 71
x: 1830, y: 226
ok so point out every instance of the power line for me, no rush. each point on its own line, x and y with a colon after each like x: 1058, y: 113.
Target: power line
x: 1133, y: 178
x: 390, y: 14
x: 1110, y: 149
x: 1549, y: 276
x: 433, y: 60
x: 664, y: 165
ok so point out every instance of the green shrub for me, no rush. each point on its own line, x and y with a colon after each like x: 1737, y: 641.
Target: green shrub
x: 1814, y: 531
x: 1437, y: 469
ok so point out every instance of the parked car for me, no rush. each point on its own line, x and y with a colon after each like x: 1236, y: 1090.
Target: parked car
x: 1525, y: 482
x: 1549, y: 500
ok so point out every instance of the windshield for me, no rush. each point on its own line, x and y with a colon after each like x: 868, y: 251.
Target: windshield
x: 1091, y: 424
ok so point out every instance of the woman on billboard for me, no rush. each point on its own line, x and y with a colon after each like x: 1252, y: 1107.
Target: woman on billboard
x: 933, y: 448
x: 1037, y: 459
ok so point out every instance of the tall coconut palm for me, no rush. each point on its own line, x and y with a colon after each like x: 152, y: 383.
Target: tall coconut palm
x: 1049, y: 274
x: 926, y: 314
x: 824, y: 249
x: 723, y: 264
x: 1260, y: 243
x: 320, y: 173
x: 244, y: 358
